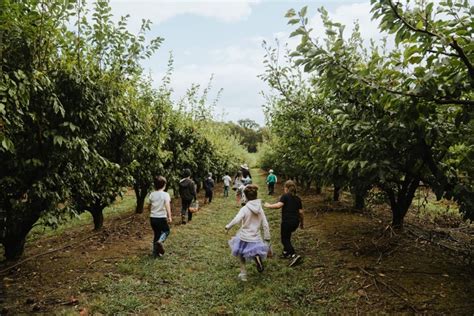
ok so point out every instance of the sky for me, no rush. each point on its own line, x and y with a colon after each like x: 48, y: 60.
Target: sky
x: 223, y: 38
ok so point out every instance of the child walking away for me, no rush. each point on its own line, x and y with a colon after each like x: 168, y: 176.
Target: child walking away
x: 160, y: 215
x: 187, y: 191
x: 226, y: 180
x: 208, y: 187
x: 238, y: 185
x: 247, y: 244
x: 291, y: 218
x: 271, y: 180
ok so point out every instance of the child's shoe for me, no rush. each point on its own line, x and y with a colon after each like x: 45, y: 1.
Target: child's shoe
x: 259, y: 263
x: 285, y: 255
x: 160, y: 250
x: 243, y: 276
x: 295, y: 260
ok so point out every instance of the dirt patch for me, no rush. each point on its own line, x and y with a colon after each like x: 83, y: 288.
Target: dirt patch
x: 386, y: 270
x: 47, y: 282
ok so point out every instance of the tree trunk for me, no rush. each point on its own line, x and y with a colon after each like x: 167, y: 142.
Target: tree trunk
x: 335, y: 197
x: 14, y: 247
x: 16, y: 230
x: 98, y: 217
x: 401, y: 201
x: 359, y: 201
x: 140, y: 194
x: 319, y: 189
x: 397, y: 217
x: 140, y: 204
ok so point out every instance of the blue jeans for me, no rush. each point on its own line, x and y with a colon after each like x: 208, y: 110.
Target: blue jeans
x: 226, y: 190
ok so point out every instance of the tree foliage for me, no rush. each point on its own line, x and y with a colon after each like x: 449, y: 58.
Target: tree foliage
x: 391, y: 119
x: 79, y: 122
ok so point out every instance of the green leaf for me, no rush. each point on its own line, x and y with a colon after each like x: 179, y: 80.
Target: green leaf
x: 294, y: 21
x: 290, y: 13
x: 303, y: 11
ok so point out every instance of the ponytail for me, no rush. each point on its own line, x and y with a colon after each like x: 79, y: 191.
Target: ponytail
x: 291, y: 187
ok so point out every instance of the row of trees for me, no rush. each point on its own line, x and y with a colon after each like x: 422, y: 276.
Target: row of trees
x: 364, y: 116
x: 79, y: 122
x: 250, y: 133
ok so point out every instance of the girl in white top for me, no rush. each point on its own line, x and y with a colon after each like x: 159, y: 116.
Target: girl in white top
x: 160, y: 215
x: 247, y: 244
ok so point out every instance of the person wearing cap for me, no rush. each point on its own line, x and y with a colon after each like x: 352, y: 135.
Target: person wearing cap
x: 245, y: 171
x: 271, y: 180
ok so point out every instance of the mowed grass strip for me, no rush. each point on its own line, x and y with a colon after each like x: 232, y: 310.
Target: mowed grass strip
x: 198, y: 275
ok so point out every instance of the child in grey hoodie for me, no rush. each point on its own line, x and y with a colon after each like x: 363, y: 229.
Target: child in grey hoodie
x: 247, y: 244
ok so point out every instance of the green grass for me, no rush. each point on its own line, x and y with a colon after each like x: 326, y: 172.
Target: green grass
x: 198, y: 275
x: 428, y: 206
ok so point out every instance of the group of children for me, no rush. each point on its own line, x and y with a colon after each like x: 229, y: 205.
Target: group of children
x: 247, y: 244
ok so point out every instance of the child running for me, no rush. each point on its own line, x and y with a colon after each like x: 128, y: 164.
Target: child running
x: 160, y: 215
x: 226, y: 180
x: 247, y: 244
x: 291, y: 218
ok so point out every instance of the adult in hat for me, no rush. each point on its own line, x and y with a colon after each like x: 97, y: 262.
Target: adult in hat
x: 245, y: 170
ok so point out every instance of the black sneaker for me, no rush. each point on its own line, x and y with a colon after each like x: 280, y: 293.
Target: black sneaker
x: 259, y: 263
x: 295, y: 260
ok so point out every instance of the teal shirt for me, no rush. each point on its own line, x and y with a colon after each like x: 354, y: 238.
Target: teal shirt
x: 271, y: 178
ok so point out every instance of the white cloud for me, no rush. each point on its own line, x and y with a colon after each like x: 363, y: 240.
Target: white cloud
x: 240, y: 97
x: 236, y: 67
x: 159, y: 11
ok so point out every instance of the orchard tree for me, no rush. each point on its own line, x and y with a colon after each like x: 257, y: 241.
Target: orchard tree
x: 61, y: 103
x: 393, y: 118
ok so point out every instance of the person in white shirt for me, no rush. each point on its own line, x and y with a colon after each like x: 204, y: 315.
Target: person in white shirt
x: 160, y: 215
x: 226, y: 180
x: 247, y: 244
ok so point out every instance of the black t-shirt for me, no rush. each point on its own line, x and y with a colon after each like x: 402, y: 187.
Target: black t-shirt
x: 291, y: 206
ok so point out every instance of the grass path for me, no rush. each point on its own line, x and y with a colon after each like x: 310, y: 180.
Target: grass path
x: 351, y: 265
x: 198, y: 275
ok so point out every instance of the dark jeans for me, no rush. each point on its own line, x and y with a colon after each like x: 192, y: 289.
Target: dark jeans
x: 226, y: 190
x: 209, y: 194
x: 287, y: 228
x: 160, y: 228
x: 185, y: 204
x: 271, y: 188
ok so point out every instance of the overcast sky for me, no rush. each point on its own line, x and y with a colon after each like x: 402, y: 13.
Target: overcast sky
x: 224, y: 37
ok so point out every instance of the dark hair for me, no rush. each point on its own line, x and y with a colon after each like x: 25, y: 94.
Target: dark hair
x: 186, y: 173
x: 159, y: 182
x: 291, y: 186
x: 251, y: 191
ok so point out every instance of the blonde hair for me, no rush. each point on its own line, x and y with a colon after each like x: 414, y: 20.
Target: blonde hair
x: 291, y: 187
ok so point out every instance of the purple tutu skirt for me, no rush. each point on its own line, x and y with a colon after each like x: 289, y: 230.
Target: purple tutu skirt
x: 248, y: 250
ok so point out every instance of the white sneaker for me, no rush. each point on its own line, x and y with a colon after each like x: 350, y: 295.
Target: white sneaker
x: 242, y: 276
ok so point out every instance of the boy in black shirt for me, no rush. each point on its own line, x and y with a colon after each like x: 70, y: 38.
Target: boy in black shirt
x: 291, y: 218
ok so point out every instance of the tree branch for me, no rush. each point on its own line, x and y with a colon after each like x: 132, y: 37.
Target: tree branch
x: 453, y: 44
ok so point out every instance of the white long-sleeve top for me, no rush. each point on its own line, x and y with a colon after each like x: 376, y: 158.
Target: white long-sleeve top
x: 252, y: 217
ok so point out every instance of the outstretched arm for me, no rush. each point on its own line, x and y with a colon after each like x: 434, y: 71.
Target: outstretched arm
x: 275, y: 205
x: 237, y: 219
